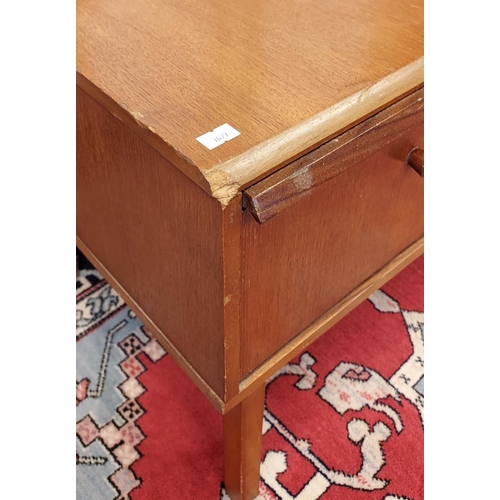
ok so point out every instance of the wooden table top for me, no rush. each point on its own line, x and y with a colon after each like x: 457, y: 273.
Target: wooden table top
x: 286, y: 74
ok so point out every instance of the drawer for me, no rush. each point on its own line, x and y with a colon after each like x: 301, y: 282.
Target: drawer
x: 318, y: 228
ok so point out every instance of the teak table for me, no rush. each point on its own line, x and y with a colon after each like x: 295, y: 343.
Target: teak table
x: 247, y: 173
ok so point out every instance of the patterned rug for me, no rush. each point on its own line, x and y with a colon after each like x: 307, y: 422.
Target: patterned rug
x: 342, y: 421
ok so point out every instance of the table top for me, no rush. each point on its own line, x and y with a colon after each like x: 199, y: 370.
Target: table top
x: 286, y: 74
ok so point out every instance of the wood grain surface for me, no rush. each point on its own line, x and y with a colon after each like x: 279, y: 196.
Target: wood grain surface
x: 309, y: 256
x: 280, y: 190
x: 287, y: 74
x: 301, y: 341
x: 214, y: 398
x: 242, y: 427
x: 231, y: 256
x: 156, y: 233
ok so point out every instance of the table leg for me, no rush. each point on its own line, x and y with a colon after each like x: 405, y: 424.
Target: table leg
x: 242, y: 442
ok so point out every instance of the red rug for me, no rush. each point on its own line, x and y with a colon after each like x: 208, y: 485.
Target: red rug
x: 344, y: 420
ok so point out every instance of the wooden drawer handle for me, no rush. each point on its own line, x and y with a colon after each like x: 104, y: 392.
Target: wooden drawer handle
x: 416, y: 160
x: 283, y: 188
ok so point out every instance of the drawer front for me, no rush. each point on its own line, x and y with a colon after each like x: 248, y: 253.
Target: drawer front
x: 335, y: 233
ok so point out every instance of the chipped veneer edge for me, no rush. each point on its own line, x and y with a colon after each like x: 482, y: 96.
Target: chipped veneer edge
x: 136, y: 122
x: 226, y: 179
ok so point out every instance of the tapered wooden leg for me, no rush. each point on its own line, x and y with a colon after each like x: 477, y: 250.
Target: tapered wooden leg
x: 242, y: 441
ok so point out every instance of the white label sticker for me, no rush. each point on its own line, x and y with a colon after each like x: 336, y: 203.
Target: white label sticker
x: 218, y: 136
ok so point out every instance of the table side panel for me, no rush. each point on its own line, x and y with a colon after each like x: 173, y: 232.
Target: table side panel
x: 307, y: 258
x: 157, y: 233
